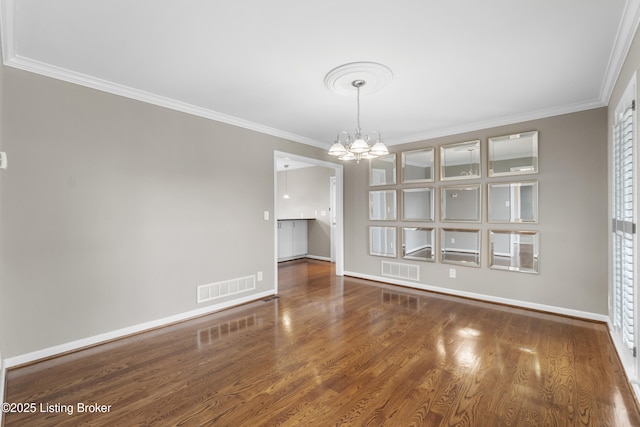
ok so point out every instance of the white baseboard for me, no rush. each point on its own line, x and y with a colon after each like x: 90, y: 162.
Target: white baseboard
x: 119, y: 333
x: 319, y: 258
x: 627, y: 360
x: 2, y: 380
x: 488, y: 298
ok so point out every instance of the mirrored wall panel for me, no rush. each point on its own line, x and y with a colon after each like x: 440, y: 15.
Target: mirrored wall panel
x: 515, y: 154
x: 513, y: 202
x: 382, y: 170
x: 461, y: 203
x: 382, y: 205
x: 460, y: 161
x: 417, y: 204
x: 382, y: 241
x: 514, y: 250
x: 418, y: 243
x: 459, y: 246
x: 417, y: 165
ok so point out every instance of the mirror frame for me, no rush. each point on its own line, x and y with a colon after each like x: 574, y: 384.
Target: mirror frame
x: 475, y: 262
x: 430, y: 230
x: 477, y: 217
x: 457, y: 147
x: 513, y: 263
x: 533, y: 153
x: 393, y: 238
x: 389, y: 180
x: 391, y: 212
x: 405, y: 158
x: 491, y: 190
x: 432, y: 213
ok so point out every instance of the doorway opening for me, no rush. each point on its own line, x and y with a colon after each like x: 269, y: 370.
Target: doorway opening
x: 332, y: 214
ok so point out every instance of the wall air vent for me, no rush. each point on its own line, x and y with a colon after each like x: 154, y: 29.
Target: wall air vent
x: 228, y: 287
x: 400, y: 271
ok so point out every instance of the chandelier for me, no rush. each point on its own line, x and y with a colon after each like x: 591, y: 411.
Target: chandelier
x: 359, y: 146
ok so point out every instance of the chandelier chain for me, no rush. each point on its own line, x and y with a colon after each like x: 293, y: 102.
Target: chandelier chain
x: 358, y: 129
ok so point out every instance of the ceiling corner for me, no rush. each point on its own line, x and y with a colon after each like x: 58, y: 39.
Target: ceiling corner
x: 624, y: 37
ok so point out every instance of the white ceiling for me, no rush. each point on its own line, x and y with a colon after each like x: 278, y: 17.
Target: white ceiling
x: 457, y: 65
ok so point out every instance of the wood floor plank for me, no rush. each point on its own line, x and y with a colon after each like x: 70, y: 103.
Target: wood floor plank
x: 341, y: 351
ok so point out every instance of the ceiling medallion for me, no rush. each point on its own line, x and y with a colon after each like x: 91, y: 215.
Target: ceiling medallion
x: 340, y: 79
x: 364, y: 78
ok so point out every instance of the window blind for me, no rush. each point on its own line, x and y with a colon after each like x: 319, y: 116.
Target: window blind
x: 624, y: 241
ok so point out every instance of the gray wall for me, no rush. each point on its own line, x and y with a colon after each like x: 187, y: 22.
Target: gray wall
x: 114, y: 210
x: 309, y: 196
x: 572, y: 218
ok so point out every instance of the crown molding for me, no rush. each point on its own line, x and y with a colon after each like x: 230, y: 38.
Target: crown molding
x: 7, y: 28
x: 128, y: 92
x: 11, y: 59
x: 150, y: 98
x: 624, y: 37
x: 503, y: 121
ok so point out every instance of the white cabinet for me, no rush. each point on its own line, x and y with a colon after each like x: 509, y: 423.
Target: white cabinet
x: 292, y: 239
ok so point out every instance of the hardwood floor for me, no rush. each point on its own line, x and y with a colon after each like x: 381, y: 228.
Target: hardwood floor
x: 340, y: 351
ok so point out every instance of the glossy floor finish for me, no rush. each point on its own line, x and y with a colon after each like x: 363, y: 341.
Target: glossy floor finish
x: 341, y: 351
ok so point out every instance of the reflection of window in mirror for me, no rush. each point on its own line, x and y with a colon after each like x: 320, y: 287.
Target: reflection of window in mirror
x: 460, y: 161
x: 382, y: 170
x: 515, y: 154
x: 382, y: 241
x: 417, y: 204
x: 459, y: 246
x: 417, y: 165
x: 514, y: 250
x: 515, y: 202
x: 418, y: 243
x: 382, y: 205
x: 461, y: 203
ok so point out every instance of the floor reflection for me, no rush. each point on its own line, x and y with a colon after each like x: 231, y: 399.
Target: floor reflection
x: 403, y: 300
x: 210, y: 334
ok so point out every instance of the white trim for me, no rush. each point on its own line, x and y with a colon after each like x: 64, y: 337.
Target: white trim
x: 319, y: 258
x: 339, y: 227
x: 120, y: 333
x: 132, y: 93
x: 3, y: 371
x: 488, y: 298
x: 626, y: 359
x: 626, y: 31
x: 7, y: 14
x: 622, y: 44
x: 503, y: 121
x: 150, y: 98
x: 629, y: 363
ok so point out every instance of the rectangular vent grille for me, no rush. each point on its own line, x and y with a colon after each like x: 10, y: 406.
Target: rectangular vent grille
x: 400, y: 271
x: 228, y: 287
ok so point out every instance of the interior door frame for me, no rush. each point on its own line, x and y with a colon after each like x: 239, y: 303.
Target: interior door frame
x: 337, y: 238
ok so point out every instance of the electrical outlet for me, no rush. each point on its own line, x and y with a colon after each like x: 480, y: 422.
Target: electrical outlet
x: 259, y: 276
x: 452, y: 273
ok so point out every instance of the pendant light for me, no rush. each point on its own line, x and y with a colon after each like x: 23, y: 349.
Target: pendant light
x: 286, y: 182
